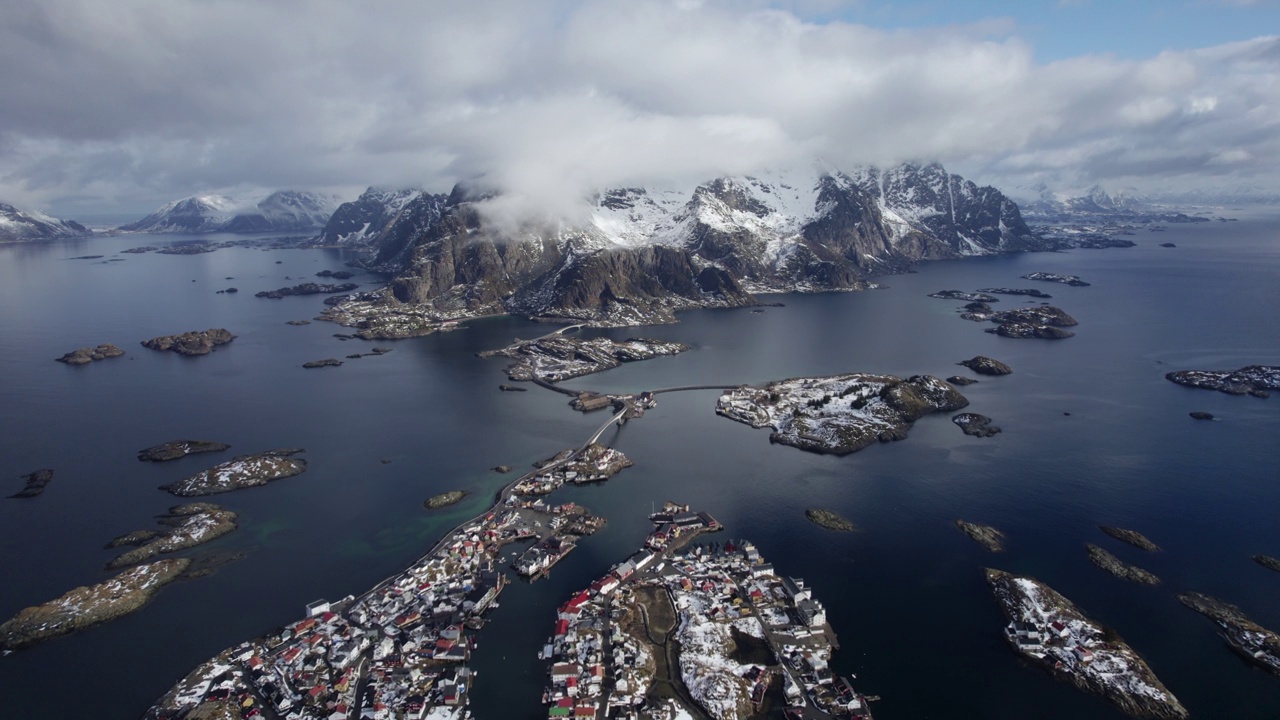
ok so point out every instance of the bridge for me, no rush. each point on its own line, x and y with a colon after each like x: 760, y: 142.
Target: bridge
x: 617, y: 418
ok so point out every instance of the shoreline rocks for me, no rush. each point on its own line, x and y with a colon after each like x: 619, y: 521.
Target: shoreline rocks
x: 241, y: 472
x: 192, y: 524
x: 1133, y: 537
x: 985, y: 535
x: 35, y: 483
x: 1248, y: 639
x: 830, y: 520
x: 1255, y: 380
x: 86, y: 606
x: 984, y: 365
x: 191, y: 343
x: 1051, y: 631
x: 175, y: 449
x: 444, y: 499
x: 1120, y: 568
x: 839, y: 414
x: 84, y: 356
x: 975, y: 425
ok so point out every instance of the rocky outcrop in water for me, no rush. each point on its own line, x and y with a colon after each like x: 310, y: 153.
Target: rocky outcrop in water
x: 1267, y: 562
x: 307, y: 289
x: 444, y: 499
x: 190, y: 525
x: 87, y: 606
x: 1011, y: 291
x: 839, y: 414
x: 1082, y: 652
x: 1120, y: 568
x: 961, y: 380
x: 1250, y: 640
x: 327, y: 362
x: 1133, y: 537
x: 84, y: 356
x: 191, y: 343
x: 1045, y: 322
x: 175, y: 449
x: 1256, y: 380
x: 975, y: 424
x: 985, y: 535
x: 559, y: 357
x: 984, y: 365
x: 1201, y: 415
x: 830, y: 520
x: 1072, y: 280
x: 981, y: 297
x: 241, y: 472
x: 35, y: 483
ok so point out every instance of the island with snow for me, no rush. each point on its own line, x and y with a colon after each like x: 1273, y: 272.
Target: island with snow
x: 839, y: 414
x: 557, y: 357
x: 682, y: 631
x: 1048, y: 629
x: 1250, y: 640
x: 241, y: 472
x: 1255, y: 380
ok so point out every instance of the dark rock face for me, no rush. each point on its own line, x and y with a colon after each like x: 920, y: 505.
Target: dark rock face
x: 35, y: 483
x: 307, y: 289
x: 975, y: 424
x: 175, y: 449
x: 84, y: 356
x: 1256, y: 380
x: 710, y: 248
x: 986, y: 366
x: 365, y: 221
x: 191, y: 343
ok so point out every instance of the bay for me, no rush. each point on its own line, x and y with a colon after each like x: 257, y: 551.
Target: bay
x: 916, y: 622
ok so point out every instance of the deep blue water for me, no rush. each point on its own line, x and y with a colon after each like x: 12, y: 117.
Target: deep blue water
x: 906, y: 594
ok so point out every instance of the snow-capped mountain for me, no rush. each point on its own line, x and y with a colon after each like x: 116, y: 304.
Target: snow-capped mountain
x: 281, y: 211
x: 19, y: 225
x: 643, y: 252
x: 359, y: 223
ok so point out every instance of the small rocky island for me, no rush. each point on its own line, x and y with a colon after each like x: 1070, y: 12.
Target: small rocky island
x: 86, y: 606
x: 190, y: 525
x: 1201, y: 415
x: 985, y: 535
x: 327, y: 362
x: 1045, y: 322
x: 1267, y: 562
x: 1030, y: 292
x: 1120, y: 568
x: 981, y: 297
x: 830, y: 520
x: 1255, y: 380
x: 1250, y: 640
x: 1133, y: 537
x: 984, y: 365
x: 557, y: 357
x: 975, y: 424
x: 444, y: 499
x: 839, y: 414
x: 84, y: 356
x: 191, y: 343
x: 1049, y: 630
x: 1072, y: 280
x: 309, y: 288
x: 175, y: 449
x: 35, y: 483
x: 241, y: 472
x: 961, y: 380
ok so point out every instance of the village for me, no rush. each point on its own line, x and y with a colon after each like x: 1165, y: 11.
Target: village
x: 725, y: 604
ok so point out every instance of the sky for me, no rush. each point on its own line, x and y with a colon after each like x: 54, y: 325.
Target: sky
x: 125, y: 105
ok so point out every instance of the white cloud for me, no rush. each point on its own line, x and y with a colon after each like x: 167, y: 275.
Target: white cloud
x: 138, y: 101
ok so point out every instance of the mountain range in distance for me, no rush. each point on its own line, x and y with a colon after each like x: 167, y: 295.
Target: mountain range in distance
x: 281, y: 211
x: 27, y: 225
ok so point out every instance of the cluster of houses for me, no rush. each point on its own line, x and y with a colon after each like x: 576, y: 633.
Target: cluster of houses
x: 595, y: 463
x: 676, y: 521
x: 1044, y: 640
x: 566, y: 522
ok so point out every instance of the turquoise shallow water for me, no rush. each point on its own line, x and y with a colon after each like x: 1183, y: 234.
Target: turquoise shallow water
x: 906, y: 594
